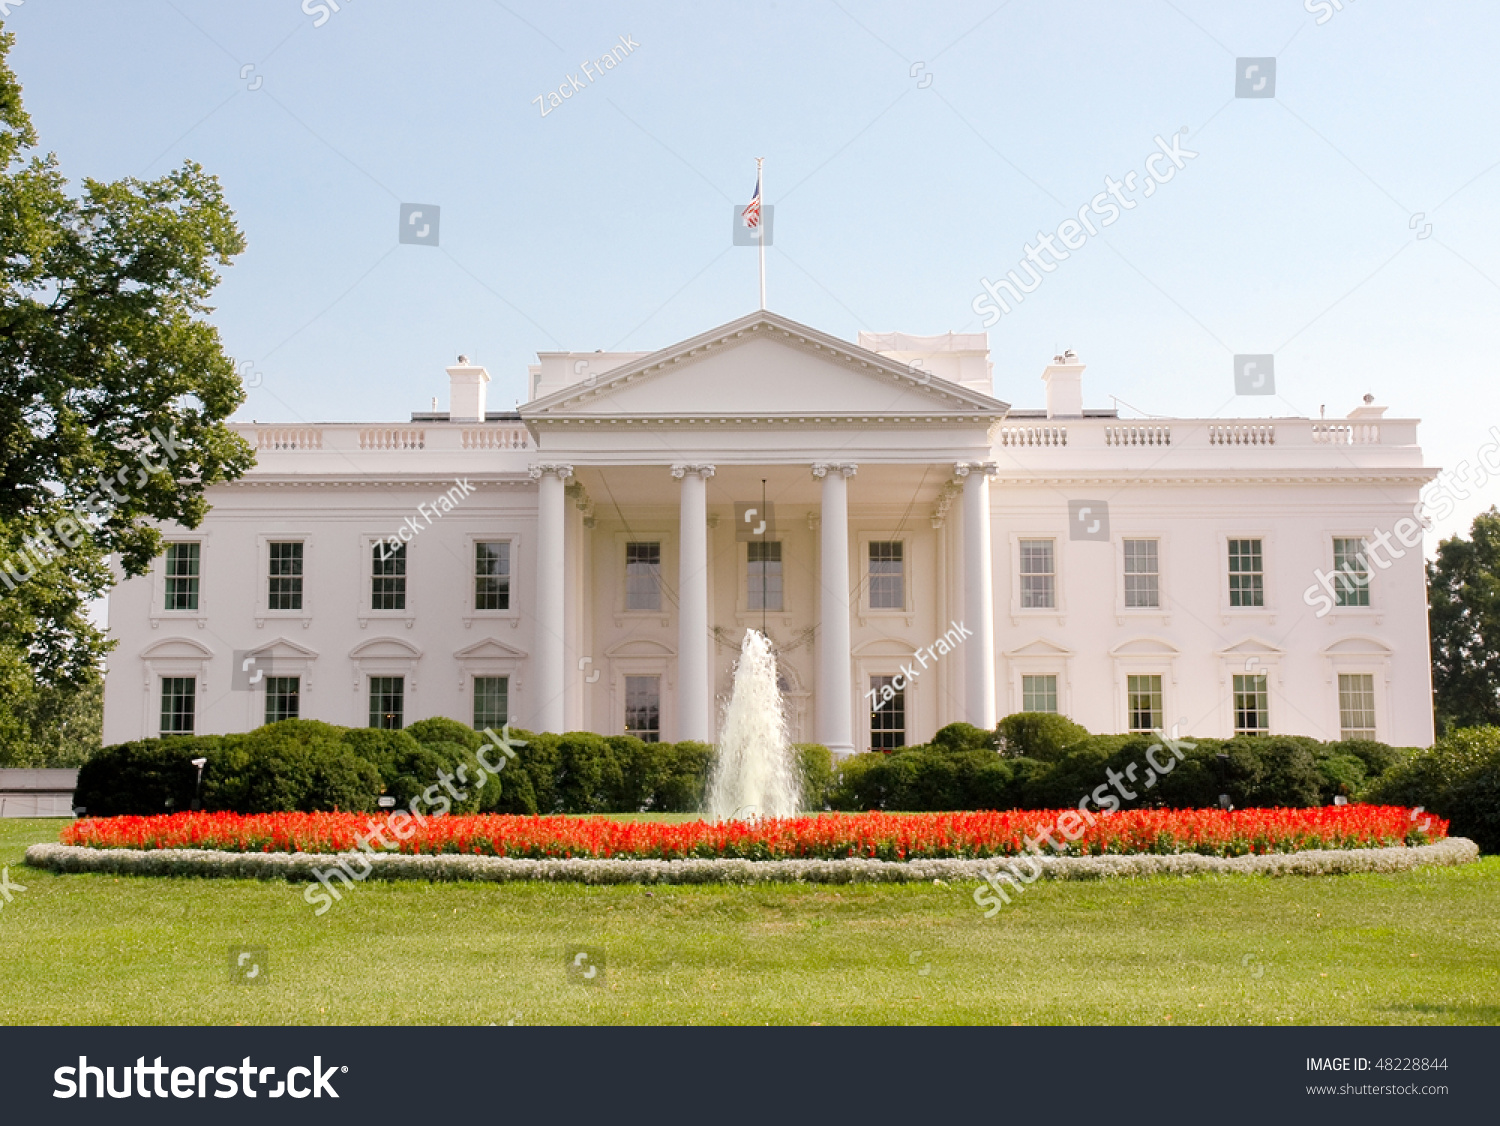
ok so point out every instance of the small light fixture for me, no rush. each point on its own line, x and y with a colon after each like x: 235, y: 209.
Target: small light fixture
x: 1339, y: 799
x: 200, y: 763
x: 385, y: 801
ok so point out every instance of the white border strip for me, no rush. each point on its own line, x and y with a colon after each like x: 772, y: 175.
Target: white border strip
x: 494, y: 869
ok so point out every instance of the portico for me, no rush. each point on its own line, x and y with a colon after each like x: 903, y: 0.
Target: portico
x: 666, y: 446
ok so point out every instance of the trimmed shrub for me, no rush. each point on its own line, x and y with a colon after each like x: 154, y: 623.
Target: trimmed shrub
x: 1377, y: 757
x: 958, y: 737
x: 925, y: 780
x: 686, y: 778
x: 439, y: 729
x: 1458, y: 779
x: 529, y: 784
x: 1274, y: 771
x: 146, y: 777
x: 297, y: 764
x: 642, y: 767
x: 815, y: 762
x: 1342, y: 776
x: 1040, y: 735
x: 590, y: 775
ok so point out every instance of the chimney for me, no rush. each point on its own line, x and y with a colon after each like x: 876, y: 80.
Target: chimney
x: 1064, y: 380
x: 466, y: 391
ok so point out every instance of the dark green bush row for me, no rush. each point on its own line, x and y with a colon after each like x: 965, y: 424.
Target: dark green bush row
x: 1043, y: 762
x: 1048, y: 762
x: 305, y: 765
x: 1458, y: 779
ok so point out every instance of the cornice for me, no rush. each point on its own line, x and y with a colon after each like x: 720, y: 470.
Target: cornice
x: 1201, y: 477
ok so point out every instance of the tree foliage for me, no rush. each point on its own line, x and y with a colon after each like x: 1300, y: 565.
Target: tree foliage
x: 114, y: 388
x: 1463, y: 596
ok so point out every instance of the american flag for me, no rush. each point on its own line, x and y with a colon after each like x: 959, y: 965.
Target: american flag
x: 751, y: 214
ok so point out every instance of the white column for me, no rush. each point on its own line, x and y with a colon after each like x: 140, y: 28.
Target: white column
x: 835, y: 703
x: 979, y: 597
x: 694, y: 686
x: 549, y: 654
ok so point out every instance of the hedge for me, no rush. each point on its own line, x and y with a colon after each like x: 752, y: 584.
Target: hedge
x: 1458, y: 779
x: 1111, y: 771
x: 305, y: 765
x: 1044, y: 761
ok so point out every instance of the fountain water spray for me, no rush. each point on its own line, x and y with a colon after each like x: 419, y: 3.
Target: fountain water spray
x: 755, y: 771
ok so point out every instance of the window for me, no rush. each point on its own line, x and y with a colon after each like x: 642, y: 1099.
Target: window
x: 182, y: 576
x: 643, y: 576
x: 1039, y: 693
x: 388, y: 702
x: 764, y: 591
x: 179, y: 699
x: 888, y: 717
x: 1247, y: 573
x: 887, y: 575
x: 1038, y: 575
x: 388, y: 578
x: 284, y: 591
x: 643, y: 708
x: 1252, y: 713
x: 1143, y: 698
x: 1142, y: 575
x: 1356, y: 705
x: 492, y: 575
x: 491, y: 701
x: 283, y: 698
x: 1351, y: 569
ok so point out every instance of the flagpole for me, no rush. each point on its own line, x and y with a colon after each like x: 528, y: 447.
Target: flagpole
x: 760, y: 182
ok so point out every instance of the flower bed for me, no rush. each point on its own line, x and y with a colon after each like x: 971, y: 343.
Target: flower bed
x: 868, y: 836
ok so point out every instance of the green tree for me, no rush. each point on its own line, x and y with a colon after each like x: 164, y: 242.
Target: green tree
x: 1463, y: 598
x: 114, y: 389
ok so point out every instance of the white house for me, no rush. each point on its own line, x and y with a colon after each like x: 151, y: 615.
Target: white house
x: 928, y: 555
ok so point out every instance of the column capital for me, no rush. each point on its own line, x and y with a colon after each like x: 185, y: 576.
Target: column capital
x: 821, y: 469
x: 682, y: 469
x: 561, y: 470
x: 964, y: 468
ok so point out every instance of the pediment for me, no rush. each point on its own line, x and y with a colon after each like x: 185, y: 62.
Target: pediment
x: 1040, y: 648
x: 883, y: 647
x: 640, y: 647
x: 385, y: 649
x: 177, y: 649
x: 287, y: 650
x: 1144, y: 647
x: 1358, y: 647
x: 768, y: 368
x: 489, y: 650
x: 1251, y: 647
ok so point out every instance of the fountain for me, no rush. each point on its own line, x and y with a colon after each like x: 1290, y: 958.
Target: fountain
x: 755, y: 772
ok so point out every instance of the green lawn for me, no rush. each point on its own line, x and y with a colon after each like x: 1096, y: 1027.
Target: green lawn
x: 1415, y: 948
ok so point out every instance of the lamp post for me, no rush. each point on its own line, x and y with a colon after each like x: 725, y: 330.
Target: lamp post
x: 200, y: 763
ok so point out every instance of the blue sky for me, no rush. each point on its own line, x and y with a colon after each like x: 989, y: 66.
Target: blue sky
x: 607, y: 223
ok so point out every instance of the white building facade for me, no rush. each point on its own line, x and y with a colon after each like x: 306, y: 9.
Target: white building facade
x: 918, y: 552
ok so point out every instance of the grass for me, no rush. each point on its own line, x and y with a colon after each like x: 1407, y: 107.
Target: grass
x: 1413, y: 948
